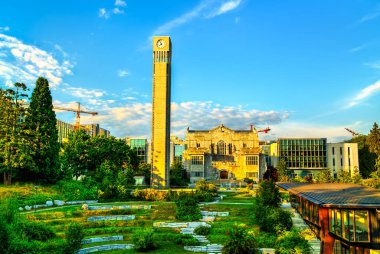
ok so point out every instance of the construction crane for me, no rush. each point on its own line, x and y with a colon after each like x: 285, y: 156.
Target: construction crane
x: 77, y: 111
x: 266, y: 130
x: 352, y: 132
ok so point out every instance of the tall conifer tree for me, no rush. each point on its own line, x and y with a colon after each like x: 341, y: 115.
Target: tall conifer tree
x: 42, y: 121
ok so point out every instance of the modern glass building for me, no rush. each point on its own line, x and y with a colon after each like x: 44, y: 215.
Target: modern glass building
x: 345, y: 217
x: 140, y: 145
x: 305, y: 156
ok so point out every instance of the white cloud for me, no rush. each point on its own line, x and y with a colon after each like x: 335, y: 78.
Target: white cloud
x: 225, y: 7
x: 81, y: 92
x: 117, y: 11
x: 4, y: 28
x: 374, y: 65
x: 205, y: 9
x: 25, y: 63
x: 358, y: 48
x: 369, y: 17
x: 120, y: 3
x: 134, y: 118
x: 103, y: 13
x: 123, y: 73
x: 364, y: 94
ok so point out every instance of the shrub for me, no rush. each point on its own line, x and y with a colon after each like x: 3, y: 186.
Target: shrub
x: 290, y: 242
x: 240, y: 241
x: 4, y: 236
x: 202, y: 230
x: 268, y: 194
x: 272, y: 219
x: 74, y: 237
x: 203, y: 186
x: 149, y: 195
x: 187, y: 240
x: 143, y: 240
x: 171, y: 196
x: 35, y: 231
x: 19, y: 246
x: 78, y: 190
x: 204, y: 196
x: 8, y: 211
x: 187, y: 207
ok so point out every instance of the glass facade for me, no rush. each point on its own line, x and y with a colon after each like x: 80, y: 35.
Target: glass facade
x: 303, y: 153
x: 141, y: 147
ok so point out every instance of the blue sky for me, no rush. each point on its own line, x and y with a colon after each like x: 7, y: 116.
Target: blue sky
x: 303, y: 68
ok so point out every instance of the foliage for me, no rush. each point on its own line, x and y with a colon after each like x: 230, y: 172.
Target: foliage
x: 187, y: 240
x: 308, y: 179
x: 271, y: 219
x: 203, y: 186
x: 367, y: 159
x: 268, y: 194
x: 4, y: 236
x: 271, y: 173
x: 187, y: 207
x: 35, y: 231
x: 282, y: 170
x: 202, y: 230
x: 240, y: 241
x: 144, y: 169
x: 177, y: 175
x: 85, y: 189
x: 112, y: 181
x: 41, y: 121
x: 149, y: 194
x: 76, y: 158
x: 74, y: 237
x: 290, y: 242
x: 8, y: 211
x: 324, y: 176
x: 143, y: 240
x: 15, y: 151
x: 373, y: 142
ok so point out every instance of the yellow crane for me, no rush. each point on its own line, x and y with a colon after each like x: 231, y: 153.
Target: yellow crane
x: 78, y: 111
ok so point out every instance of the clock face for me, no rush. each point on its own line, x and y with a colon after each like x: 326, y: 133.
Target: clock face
x: 160, y: 43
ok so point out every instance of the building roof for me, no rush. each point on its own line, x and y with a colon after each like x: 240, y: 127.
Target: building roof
x: 335, y: 194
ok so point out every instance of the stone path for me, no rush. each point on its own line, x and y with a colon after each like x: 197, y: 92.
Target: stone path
x: 120, y: 207
x: 106, y: 248
x: 187, y: 228
x: 298, y: 222
x: 112, y: 217
x: 103, y: 239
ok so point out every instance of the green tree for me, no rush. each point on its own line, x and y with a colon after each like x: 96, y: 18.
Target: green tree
x: 291, y: 242
x: 15, y: 152
x: 367, y: 159
x: 41, y: 120
x: 282, y: 170
x: 240, y: 241
x: 76, y: 154
x: 373, y: 142
x: 74, y: 237
x: 324, y: 176
x: 268, y: 194
x: 187, y: 207
x: 178, y: 175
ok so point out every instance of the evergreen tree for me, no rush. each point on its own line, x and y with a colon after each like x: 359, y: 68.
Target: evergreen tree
x: 15, y: 153
x: 373, y: 141
x: 367, y: 159
x: 283, y: 172
x: 41, y: 120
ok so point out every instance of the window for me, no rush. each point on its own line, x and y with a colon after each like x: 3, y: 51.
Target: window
x: 198, y: 145
x: 351, y: 225
x: 341, y: 150
x: 197, y: 174
x: 334, y: 162
x: 221, y: 148
x: 361, y: 226
x: 251, y: 174
x: 348, y: 151
x: 341, y: 162
x: 196, y: 160
x: 333, y: 150
x: 251, y: 160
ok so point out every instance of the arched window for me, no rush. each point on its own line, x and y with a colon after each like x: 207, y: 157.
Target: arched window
x: 221, y: 148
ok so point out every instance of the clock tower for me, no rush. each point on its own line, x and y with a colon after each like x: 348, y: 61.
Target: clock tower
x: 161, y: 111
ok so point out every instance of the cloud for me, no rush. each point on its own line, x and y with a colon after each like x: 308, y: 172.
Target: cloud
x: 225, y: 7
x: 359, y: 48
x: 369, y: 17
x: 120, y: 3
x: 118, y: 8
x: 22, y: 62
x: 134, y: 118
x: 374, y: 65
x: 123, y: 73
x: 4, y: 28
x: 364, y: 94
x: 81, y: 92
x: 205, y: 9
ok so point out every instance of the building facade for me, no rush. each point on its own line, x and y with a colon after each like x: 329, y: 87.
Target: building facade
x: 177, y: 146
x: 161, y: 111
x: 343, y: 157
x: 64, y: 130
x: 304, y: 156
x: 140, y: 145
x: 222, y: 153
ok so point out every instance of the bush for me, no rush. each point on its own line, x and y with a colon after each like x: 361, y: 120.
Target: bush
x: 187, y: 207
x: 240, y: 241
x: 271, y: 219
x: 4, y: 236
x: 78, y: 190
x: 290, y: 242
x: 268, y: 194
x: 149, y: 195
x: 19, y: 246
x: 35, y: 231
x: 203, y: 186
x: 74, y: 237
x: 171, y: 196
x: 143, y: 240
x: 187, y: 240
x: 202, y: 230
x: 204, y: 196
